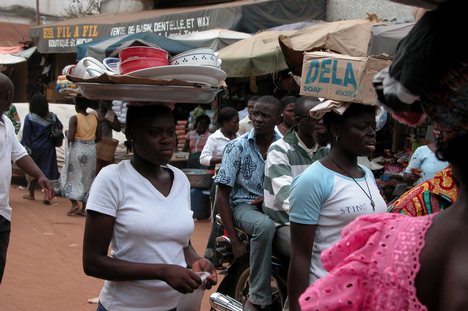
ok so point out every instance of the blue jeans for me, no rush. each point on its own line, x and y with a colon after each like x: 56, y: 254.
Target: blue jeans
x: 5, y: 228
x: 262, y: 231
x: 100, y: 307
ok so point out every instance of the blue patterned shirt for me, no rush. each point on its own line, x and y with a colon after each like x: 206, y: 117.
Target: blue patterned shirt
x: 243, y: 169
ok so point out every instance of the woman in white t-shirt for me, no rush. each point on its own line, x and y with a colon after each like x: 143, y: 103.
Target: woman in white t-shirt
x: 331, y: 192
x: 141, y: 208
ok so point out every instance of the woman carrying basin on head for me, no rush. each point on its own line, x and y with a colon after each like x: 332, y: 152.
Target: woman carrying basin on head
x: 141, y: 209
x: 398, y: 262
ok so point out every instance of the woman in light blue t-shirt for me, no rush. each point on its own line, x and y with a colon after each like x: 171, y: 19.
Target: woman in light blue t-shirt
x: 331, y: 192
x: 424, y: 163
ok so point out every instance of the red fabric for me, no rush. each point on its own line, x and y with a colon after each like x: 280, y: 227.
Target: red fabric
x: 11, y: 49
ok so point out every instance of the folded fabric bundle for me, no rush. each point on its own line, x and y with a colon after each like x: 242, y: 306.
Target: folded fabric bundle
x: 429, y: 70
x: 329, y: 105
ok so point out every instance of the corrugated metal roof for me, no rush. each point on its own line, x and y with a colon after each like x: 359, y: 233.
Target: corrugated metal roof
x: 12, y: 33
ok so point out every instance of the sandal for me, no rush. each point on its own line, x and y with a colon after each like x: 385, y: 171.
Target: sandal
x: 46, y: 202
x: 28, y: 197
x: 74, y: 211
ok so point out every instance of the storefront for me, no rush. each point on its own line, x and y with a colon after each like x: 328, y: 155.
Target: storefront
x: 60, y: 39
x: 247, y: 16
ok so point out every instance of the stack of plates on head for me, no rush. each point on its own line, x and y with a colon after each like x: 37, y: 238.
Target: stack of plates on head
x: 120, y: 109
x: 201, y: 66
x: 197, y: 57
x: 190, y: 73
x: 135, y: 58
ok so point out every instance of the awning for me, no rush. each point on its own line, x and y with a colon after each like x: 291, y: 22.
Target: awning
x: 12, y: 34
x: 214, y: 38
x: 12, y: 37
x: 349, y: 37
x: 272, y: 51
x: 8, y: 59
x: 247, y: 16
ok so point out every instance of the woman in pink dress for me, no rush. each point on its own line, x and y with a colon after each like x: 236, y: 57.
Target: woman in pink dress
x: 399, y: 262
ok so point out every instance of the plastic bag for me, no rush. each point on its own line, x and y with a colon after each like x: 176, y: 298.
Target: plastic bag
x: 56, y: 133
x: 192, y: 301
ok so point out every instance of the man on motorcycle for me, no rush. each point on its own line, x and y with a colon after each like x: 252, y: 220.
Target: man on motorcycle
x: 287, y: 158
x: 240, y: 195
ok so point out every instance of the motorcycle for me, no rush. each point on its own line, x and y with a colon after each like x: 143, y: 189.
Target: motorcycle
x: 233, y: 290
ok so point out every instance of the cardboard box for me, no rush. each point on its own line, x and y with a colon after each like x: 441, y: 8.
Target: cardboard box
x: 341, y: 77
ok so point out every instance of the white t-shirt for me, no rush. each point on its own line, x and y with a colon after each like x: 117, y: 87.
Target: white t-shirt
x: 245, y: 125
x: 214, y: 147
x: 10, y: 150
x: 330, y: 200
x: 149, y: 228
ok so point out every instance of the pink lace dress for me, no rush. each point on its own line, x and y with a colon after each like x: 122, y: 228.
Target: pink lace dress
x: 373, y: 266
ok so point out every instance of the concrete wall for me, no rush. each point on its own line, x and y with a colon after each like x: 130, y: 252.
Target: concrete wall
x: 115, y: 6
x: 52, y: 10
x: 24, y: 11
x: 356, y: 9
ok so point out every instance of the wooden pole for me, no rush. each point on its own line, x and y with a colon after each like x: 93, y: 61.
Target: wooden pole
x: 38, y: 22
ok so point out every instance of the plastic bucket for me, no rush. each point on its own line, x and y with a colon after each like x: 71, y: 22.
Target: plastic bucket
x: 105, y: 149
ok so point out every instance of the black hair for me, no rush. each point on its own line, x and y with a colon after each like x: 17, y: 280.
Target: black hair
x: 136, y: 113
x: 300, y: 102
x: 202, y: 117
x: 107, y: 104
x: 225, y: 115
x: 286, y: 100
x: 7, y: 89
x: 353, y: 110
x: 271, y: 100
x: 253, y: 98
x: 38, y: 104
x: 455, y: 152
x: 83, y: 103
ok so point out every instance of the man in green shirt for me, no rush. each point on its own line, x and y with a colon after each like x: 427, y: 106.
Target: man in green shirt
x: 287, y: 158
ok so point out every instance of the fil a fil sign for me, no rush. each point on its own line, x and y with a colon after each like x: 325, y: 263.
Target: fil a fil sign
x: 340, y: 77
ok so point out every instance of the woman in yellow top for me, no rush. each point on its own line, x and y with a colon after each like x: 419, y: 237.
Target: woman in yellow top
x: 79, y: 168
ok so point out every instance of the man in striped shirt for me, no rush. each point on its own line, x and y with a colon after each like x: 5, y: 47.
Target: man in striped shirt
x: 287, y: 158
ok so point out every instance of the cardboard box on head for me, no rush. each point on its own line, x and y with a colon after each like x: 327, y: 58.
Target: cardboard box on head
x: 341, y: 77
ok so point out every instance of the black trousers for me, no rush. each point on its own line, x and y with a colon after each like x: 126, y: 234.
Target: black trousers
x: 5, y: 229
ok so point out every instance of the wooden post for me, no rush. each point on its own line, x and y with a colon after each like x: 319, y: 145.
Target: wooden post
x: 38, y: 22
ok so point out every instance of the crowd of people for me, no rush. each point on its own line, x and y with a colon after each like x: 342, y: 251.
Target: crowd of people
x: 288, y: 170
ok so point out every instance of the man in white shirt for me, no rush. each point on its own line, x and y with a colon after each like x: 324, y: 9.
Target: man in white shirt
x: 12, y: 150
x: 245, y: 124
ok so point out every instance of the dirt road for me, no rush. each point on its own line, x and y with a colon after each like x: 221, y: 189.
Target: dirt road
x: 43, y: 270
